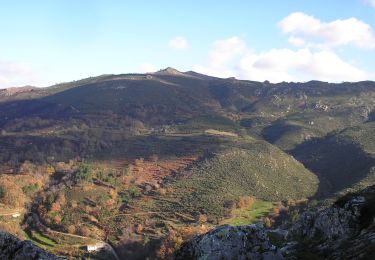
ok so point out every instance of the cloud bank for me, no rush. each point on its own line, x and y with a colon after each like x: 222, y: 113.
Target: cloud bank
x: 306, y: 30
x: 311, y: 54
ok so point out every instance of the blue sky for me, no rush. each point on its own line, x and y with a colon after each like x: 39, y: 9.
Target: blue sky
x: 43, y: 42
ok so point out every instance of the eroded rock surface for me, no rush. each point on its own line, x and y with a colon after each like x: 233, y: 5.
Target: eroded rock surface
x: 13, y: 248
x: 226, y: 242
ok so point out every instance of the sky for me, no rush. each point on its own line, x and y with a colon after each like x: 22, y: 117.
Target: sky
x: 44, y: 42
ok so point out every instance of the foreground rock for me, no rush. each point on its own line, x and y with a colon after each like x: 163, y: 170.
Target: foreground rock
x: 346, y: 230
x: 13, y: 248
x: 226, y: 242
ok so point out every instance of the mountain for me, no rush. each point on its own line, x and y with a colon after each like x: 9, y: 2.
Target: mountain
x: 142, y: 162
x: 285, y: 114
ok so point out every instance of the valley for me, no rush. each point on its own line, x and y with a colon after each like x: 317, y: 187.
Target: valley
x: 139, y: 163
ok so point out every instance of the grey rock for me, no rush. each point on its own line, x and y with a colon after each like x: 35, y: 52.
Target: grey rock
x: 13, y: 248
x: 226, y: 242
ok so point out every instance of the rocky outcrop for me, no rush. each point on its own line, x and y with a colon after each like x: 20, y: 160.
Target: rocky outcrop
x: 226, y: 242
x: 332, y: 223
x: 346, y: 230
x: 13, y: 248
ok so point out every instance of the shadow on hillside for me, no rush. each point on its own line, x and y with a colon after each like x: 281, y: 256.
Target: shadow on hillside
x: 371, y: 116
x: 162, y: 146
x: 276, y: 131
x: 338, y: 163
x: 24, y: 109
x: 137, y: 249
x: 101, y: 145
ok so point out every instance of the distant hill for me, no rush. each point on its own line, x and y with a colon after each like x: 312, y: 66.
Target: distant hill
x: 172, y: 96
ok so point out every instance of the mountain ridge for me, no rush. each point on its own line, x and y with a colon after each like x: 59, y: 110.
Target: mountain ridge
x: 144, y: 158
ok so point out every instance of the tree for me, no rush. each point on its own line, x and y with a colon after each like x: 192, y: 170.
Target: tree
x: 2, y: 192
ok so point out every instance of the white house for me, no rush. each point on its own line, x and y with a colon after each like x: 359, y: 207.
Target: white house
x: 16, y: 215
x: 95, y: 247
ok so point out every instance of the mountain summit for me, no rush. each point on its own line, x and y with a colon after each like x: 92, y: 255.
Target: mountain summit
x: 169, y: 71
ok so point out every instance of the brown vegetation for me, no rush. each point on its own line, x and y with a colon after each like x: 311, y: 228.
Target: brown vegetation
x: 245, y: 202
x: 153, y: 172
x: 173, y: 240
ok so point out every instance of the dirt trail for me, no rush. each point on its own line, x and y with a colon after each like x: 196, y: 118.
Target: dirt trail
x: 10, y: 211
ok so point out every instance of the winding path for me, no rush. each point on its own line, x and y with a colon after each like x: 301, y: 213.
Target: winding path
x: 107, y: 246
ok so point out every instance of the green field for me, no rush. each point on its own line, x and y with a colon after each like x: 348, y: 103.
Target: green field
x: 40, y: 240
x: 249, y: 215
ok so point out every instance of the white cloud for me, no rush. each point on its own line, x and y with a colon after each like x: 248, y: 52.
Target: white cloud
x: 179, y: 43
x: 147, y: 67
x: 311, y: 32
x: 14, y: 74
x: 296, y: 41
x: 288, y: 65
x: 231, y: 57
x: 225, y: 50
x: 221, y: 57
x: 314, y: 58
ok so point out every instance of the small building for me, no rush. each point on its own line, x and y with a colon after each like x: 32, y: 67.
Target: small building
x: 16, y: 215
x: 95, y: 247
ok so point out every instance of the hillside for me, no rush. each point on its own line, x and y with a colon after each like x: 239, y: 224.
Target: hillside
x: 145, y: 161
x: 257, y: 169
x: 344, y: 159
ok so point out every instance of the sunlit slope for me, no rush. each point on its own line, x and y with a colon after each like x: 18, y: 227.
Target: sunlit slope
x: 257, y: 169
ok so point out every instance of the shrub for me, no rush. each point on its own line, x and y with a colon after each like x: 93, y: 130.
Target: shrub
x: 29, y: 189
x: 84, y: 172
x: 134, y: 191
x: 202, y: 219
x: 50, y: 199
x: 107, y: 178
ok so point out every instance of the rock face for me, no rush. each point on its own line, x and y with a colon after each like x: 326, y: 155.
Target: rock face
x: 226, y: 242
x: 346, y: 230
x: 332, y: 223
x: 13, y: 248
